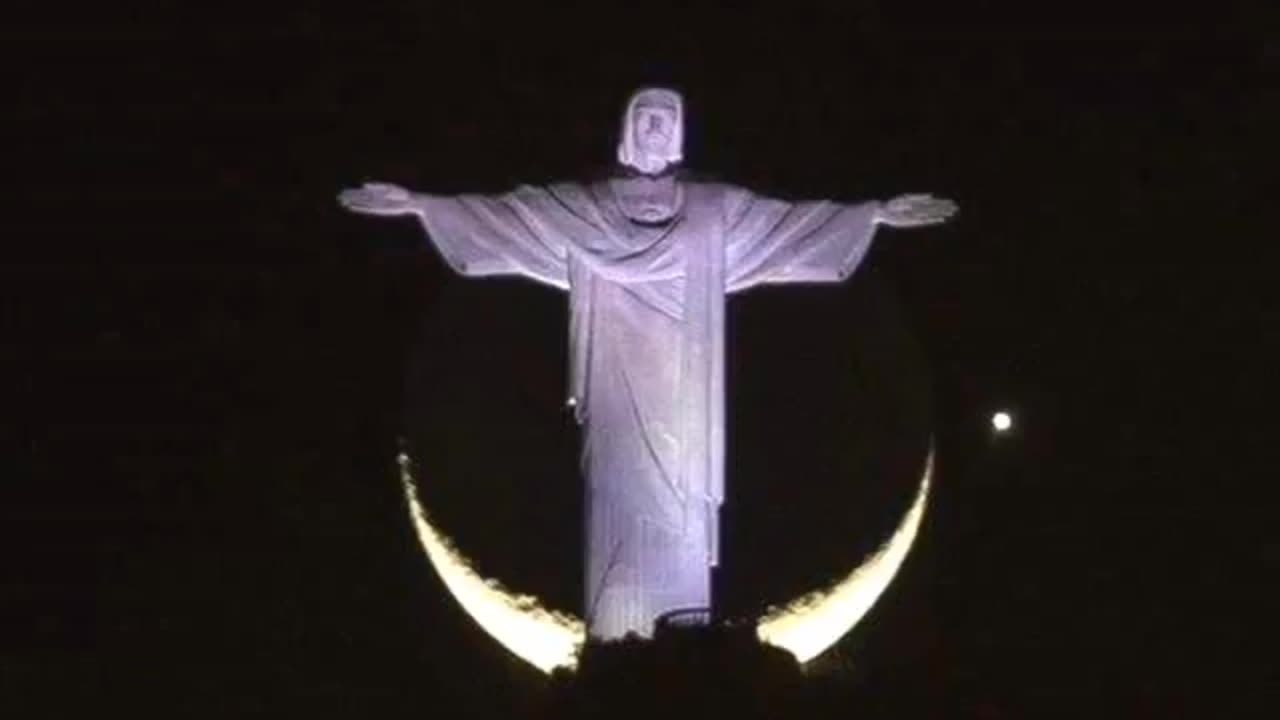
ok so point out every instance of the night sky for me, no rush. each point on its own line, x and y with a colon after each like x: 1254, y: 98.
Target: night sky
x: 209, y: 366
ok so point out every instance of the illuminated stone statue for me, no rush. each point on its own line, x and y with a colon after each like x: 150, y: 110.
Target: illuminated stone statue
x: 647, y: 259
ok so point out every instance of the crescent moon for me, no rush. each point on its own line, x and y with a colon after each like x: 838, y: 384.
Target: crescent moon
x: 549, y: 639
x: 544, y: 638
x: 810, y: 624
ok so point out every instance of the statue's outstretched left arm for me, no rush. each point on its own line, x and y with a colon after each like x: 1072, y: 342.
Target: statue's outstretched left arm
x: 916, y: 210
x: 770, y: 241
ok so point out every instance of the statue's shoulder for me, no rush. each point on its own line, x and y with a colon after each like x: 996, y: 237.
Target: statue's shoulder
x: 552, y: 195
x: 715, y: 192
x: 705, y: 185
x: 571, y: 193
x: 567, y: 187
x: 559, y: 189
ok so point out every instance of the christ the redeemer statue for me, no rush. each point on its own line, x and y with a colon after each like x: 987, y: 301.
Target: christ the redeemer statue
x: 647, y: 259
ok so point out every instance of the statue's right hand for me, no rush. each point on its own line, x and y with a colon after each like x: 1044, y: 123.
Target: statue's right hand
x: 377, y: 199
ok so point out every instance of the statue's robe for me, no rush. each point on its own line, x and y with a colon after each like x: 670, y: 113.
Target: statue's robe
x: 647, y: 355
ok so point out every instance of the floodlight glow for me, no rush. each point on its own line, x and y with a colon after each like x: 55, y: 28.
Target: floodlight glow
x: 548, y: 639
x: 814, y: 622
x: 544, y: 638
x: 1002, y: 421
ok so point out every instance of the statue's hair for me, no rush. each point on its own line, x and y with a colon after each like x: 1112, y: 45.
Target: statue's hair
x: 627, y: 150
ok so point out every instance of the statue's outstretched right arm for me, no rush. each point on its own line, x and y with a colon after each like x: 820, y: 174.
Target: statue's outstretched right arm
x: 374, y: 198
x: 478, y: 235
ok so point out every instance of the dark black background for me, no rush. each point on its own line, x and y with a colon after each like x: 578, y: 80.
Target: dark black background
x: 208, y: 364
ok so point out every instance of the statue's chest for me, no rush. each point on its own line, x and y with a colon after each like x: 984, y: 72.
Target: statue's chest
x: 644, y: 201
x: 646, y: 213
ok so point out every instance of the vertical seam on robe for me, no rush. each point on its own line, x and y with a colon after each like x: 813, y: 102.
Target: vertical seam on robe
x: 648, y: 444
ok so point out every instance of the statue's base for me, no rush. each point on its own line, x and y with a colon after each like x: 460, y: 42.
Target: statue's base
x: 722, y: 671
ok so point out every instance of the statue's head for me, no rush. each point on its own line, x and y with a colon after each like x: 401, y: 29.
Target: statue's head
x: 652, y: 131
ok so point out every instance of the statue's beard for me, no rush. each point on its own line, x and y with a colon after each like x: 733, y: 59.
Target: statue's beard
x: 652, y: 162
x: 653, y: 153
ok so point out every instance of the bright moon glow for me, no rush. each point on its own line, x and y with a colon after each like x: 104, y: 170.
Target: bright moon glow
x: 814, y: 622
x: 1001, y: 421
x: 544, y: 638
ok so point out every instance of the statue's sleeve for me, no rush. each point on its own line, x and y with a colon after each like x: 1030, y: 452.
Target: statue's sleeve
x: 775, y: 241
x: 517, y: 233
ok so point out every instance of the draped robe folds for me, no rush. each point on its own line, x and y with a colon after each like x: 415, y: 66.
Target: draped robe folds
x: 647, y: 355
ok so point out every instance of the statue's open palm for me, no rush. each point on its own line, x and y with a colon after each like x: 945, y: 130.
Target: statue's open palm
x: 377, y: 199
x: 916, y: 211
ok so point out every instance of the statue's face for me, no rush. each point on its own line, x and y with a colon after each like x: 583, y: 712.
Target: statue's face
x: 654, y: 127
x: 652, y: 131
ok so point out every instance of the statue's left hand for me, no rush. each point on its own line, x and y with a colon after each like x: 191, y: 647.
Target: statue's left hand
x: 916, y: 211
x: 378, y: 199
